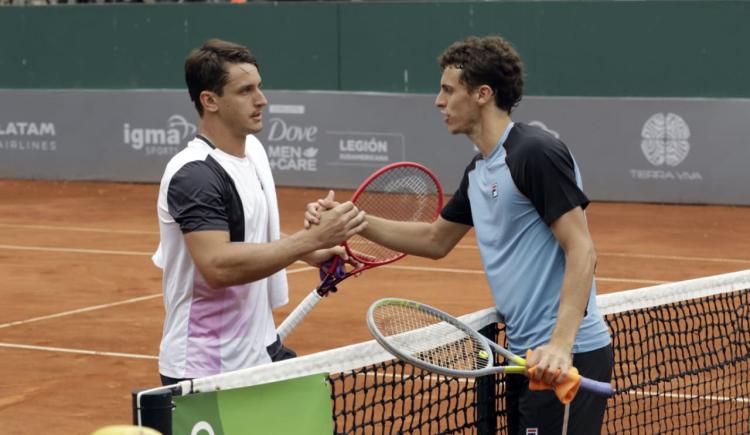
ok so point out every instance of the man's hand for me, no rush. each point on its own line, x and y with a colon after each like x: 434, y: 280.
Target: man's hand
x: 313, y: 209
x: 317, y: 258
x: 336, y: 224
x: 551, y: 363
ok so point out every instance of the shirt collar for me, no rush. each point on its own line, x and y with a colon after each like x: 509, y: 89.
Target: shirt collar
x: 499, y: 148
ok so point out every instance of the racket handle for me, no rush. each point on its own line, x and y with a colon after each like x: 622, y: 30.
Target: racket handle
x: 596, y: 387
x: 299, y: 313
x: 331, y: 272
x: 334, y: 267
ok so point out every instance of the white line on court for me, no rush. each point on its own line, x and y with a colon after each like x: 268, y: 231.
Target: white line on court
x: 77, y: 229
x: 460, y: 246
x: 632, y: 280
x: 78, y: 351
x: 470, y: 381
x: 650, y: 256
x: 80, y: 310
x: 481, y: 272
x: 690, y: 396
x: 103, y: 306
x: 433, y: 269
x: 673, y: 257
x: 74, y: 250
x: 389, y: 266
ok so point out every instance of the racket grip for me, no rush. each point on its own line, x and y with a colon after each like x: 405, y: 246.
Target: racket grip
x: 596, y: 387
x: 333, y: 267
x: 299, y: 313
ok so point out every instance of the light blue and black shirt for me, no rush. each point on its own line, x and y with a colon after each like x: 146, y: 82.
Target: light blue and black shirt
x: 511, y: 197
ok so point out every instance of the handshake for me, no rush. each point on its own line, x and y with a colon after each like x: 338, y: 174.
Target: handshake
x: 329, y: 224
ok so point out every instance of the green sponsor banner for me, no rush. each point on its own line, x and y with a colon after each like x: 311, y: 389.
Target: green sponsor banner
x: 197, y: 414
x: 294, y: 406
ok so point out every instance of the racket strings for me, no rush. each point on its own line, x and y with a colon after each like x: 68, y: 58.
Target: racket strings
x: 430, y: 339
x: 403, y: 193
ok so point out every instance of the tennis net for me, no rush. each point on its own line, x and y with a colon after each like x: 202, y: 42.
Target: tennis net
x: 681, y: 366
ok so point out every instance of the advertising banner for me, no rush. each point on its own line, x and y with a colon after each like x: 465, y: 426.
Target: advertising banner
x: 295, y: 406
x: 671, y: 150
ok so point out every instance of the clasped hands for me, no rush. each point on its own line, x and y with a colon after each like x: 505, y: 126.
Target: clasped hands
x: 333, y: 224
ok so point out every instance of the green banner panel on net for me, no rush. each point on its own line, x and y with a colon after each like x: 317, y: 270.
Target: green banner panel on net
x: 294, y: 406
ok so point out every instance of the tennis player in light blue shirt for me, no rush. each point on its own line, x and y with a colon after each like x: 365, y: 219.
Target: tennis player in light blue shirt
x: 522, y: 194
x: 523, y: 261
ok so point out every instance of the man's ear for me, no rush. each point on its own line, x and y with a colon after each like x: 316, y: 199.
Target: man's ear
x: 208, y: 101
x: 485, y: 94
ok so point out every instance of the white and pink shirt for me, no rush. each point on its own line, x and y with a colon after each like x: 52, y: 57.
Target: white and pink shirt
x: 210, y: 331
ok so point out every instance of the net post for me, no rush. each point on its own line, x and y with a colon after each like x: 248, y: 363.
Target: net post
x: 155, y: 410
x: 486, y: 406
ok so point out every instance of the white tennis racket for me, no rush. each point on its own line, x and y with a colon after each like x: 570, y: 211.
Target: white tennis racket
x: 438, y: 342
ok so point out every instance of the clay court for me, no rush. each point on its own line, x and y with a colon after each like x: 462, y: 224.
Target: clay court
x: 81, y: 310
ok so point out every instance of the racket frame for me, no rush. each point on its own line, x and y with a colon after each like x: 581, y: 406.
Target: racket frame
x: 335, y: 272
x: 369, y: 264
x: 327, y: 284
x: 597, y: 387
x: 518, y: 366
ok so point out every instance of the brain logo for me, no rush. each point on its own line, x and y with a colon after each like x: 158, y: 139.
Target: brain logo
x: 665, y: 139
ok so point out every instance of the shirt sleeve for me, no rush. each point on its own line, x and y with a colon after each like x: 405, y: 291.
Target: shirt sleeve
x: 195, y: 199
x: 545, y: 173
x: 458, y: 209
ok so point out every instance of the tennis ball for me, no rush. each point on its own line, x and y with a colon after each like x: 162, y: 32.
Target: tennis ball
x: 122, y: 429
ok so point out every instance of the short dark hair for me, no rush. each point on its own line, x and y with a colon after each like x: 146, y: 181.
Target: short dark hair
x: 205, y: 67
x: 490, y: 61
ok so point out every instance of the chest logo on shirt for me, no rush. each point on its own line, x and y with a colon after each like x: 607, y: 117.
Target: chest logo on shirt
x: 493, y: 190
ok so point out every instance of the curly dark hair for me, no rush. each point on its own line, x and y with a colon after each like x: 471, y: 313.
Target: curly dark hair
x: 490, y: 61
x: 205, y: 67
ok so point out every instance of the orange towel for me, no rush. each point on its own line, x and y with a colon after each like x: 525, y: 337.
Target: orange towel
x: 565, y: 391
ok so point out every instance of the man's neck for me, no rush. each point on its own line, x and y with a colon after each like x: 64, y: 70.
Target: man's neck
x: 222, y: 138
x: 489, y: 130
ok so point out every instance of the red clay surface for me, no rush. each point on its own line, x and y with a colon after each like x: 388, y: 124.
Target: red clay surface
x: 77, y: 278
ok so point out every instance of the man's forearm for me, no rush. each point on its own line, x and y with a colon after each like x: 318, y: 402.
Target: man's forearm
x: 413, y: 238
x: 226, y: 264
x: 574, y: 295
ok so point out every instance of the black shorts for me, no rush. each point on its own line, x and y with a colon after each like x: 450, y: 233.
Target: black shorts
x: 541, y: 413
x: 276, y: 350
